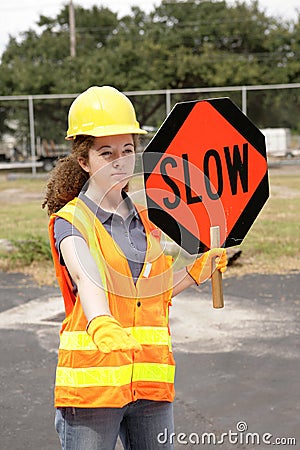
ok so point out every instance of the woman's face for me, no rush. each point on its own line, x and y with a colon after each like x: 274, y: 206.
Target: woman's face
x: 111, y: 161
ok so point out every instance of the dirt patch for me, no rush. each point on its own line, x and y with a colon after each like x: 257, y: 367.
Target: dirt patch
x: 284, y: 192
x: 42, y: 272
x: 18, y: 196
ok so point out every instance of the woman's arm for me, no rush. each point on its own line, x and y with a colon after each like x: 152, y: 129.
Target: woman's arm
x: 106, y: 332
x: 181, y: 281
x: 85, y: 274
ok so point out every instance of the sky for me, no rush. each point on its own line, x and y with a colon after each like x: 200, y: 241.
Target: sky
x: 21, y: 15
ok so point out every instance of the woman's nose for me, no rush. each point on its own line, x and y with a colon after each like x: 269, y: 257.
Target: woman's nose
x: 117, y: 161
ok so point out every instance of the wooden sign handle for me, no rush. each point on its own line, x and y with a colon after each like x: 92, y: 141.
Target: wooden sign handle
x: 216, y: 278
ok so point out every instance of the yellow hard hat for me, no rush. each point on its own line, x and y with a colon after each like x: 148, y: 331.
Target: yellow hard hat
x: 102, y: 111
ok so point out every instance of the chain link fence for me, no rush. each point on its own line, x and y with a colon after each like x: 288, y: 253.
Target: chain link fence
x: 33, y: 126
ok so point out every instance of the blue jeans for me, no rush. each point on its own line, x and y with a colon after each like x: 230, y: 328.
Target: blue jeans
x: 138, y: 424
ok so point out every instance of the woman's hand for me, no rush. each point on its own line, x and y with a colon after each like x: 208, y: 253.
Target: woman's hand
x: 201, y: 269
x: 108, y: 334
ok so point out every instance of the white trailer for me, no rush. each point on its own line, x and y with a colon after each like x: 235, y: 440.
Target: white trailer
x: 278, y: 142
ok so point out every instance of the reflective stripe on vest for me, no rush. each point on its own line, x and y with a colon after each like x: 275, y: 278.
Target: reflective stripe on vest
x: 93, y: 376
x: 80, y: 340
x: 114, y: 376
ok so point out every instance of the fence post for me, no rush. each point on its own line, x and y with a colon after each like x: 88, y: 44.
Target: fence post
x: 32, y: 134
x: 244, y: 99
x: 168, y: 101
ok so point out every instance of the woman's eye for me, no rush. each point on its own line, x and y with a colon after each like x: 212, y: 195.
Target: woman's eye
x: 105, y: 154
x: 128, y: 150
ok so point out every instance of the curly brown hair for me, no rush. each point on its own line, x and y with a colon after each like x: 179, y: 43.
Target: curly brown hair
x: 67, y: 178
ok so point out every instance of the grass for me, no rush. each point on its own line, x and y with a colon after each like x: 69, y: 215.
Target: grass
x: 20, y: 221
x: 273, y: 243
x: 271, y: 246
x: 23, y: 224
x: 32, y: 249
x: 25, y: 181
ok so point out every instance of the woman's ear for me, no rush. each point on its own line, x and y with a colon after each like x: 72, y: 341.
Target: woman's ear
x: 83, y: 164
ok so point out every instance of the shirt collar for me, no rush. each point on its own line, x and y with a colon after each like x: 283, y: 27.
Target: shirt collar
x: 131, y: 208
x: 103, y: 215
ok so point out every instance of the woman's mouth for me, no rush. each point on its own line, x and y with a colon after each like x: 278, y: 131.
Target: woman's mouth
x: 119, y: 174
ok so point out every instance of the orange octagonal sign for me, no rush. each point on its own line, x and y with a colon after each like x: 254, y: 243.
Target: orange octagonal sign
x: 206, y: 166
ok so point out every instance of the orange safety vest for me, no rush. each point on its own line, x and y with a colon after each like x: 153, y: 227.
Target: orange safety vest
x: 86, y: 377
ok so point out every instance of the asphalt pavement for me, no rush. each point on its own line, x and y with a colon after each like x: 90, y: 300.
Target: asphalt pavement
x: 237, y: 380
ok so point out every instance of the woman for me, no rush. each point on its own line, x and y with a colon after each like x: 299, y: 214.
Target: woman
x: 115, y: 372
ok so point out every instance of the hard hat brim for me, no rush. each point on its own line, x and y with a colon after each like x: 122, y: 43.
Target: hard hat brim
x: 107, y: 131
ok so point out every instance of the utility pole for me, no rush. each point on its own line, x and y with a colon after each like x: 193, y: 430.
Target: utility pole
x: 72, y: 30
